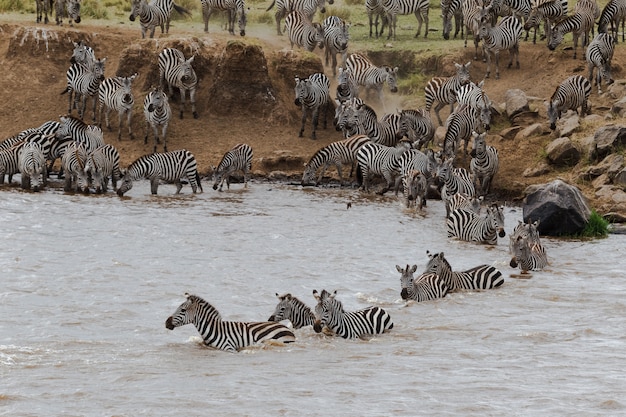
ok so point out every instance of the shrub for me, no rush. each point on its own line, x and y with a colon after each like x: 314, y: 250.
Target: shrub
x: 597, y: 226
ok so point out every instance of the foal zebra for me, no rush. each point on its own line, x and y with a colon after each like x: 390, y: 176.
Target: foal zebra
x: 239, y: 158
x: 571, y: 94
x: 599, y: 55
x: 230, y: 336
x: 307, y: 7
x: 292, y: 309
x: 157, y: 111
x: 313, y: 95
x: 303, y: 32
x: 415, y: 189
x: 505, y: 35
x: 84, y: 81
x: 337, y: 153
x: 526, y: 230
x: 336, y: 39
x: 168, y: 166
x: 427, y: 286
x: 370, y: 76
x: 442, y: 90
x: 373, y: 158
x: 102, y: 164
x: 233, y: 8
x: 527, y: 255
x: 482, y: 277
x: 468, y: 226
x: 116, y: 94
x: 176, y: 71
x: 350, y: 325
x: 484, y: 165
x: 419, y: 8
x: 153, y: 14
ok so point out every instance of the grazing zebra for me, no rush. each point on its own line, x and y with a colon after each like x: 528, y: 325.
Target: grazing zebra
x: 102, y: 164
x: 43, y: 8
x: 239, y: 158
x: 230, y: 336
x: 459, y: 127
x: 415, y: 189
x: 73, y: 162
x: 157, y: 111
x: 233, y: 8
x: 313, y: 95
x: 505, y: 35
x: 363, y: 120
x: 373, y: 158
x: 303, y: 32
x: 176, y: 71
x: 69, y: 8
x: 484, y: 165
x: 613, y: 13
x: 442, y: 90
x: 452, y: 9
x: 347, y: 88
x: 571, y: 94
x: 10, y: 161
x: 90, y: 136
x: 427, y: 286
x: 350, y: 325
x: 419, y: 8
x: 292, y: 309
x: 455, y: 180
x: 336, y: 39
x: 153, y: 14
x: 418, y: 126
x: 468, y: 226
x: 337, y: 153
x: 527, y: 255
x: 32, y: 165
x: 307, y: 7
x: 370, y: 76
x: 464, y: 201
x: 116, y: 94
x: 580, y: 23
x: 375, y: 12
x: 482, y: 277
x: 168, y: 166
x: 84, y: 81
x: 599, y: 55
x: 549, y: 12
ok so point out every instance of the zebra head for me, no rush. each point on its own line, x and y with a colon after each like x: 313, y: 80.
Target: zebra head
x: 185, y: 313
x: 325, y: 310
x: 495, y: 214
x: 126, y: 89
x: 98, y: 69
x: 283, y: 308
x: 556, y: 37
x: 301, y: 90
x: 406, y: 280
x: 127, y: 184
x: 554, y: 112
x: 447, y: 16
x: 391, y: 77
x: 73, y: 10
x: 480, y: 143
x: 156, y: 100
x: 417, y: 187
x: 82, y: 54
x: 520, y: 249
x: 136, y: 8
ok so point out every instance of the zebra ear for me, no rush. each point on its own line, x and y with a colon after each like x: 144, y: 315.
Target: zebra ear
x: 333, y: 294
x: 187, y: 295
x: 413, y: 268
x: 399, y: 268
x: 317, y: 295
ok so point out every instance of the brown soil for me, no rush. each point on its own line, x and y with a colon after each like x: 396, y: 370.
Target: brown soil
x: 233, y: 102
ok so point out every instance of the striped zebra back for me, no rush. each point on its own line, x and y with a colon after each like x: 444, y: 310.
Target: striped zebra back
x: 470, y: 227
x: 427, y: 286
x: 571, y: 94
x: 367, y: 74
x: 303, y: 32
x: 293, y: 309
x: 336, y: 153
x: 418, y: 126
x: 239, y: 158
x: 73, y: 162
x: 90, y: 136
x: 481, y: 277
x: 527, y: 255
x: 32, y: 165
x: 374, y: 158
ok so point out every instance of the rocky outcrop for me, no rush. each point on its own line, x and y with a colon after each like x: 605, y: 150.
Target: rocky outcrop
x: 515, y: 102
x: 561, y: 152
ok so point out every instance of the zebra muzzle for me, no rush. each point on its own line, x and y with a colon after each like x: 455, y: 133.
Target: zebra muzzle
x: 298, y: 102
x: 131, y: 18
x: 501, y: 233
x: 317, y: 326
x: 513, y: 262
x: 404, y: 294
x: 169, y: 324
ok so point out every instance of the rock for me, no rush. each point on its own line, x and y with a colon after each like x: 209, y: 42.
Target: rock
x: 515, y: 102
x: 619, y: 107
x: 620, y: 179
x: 532, y: 130
x: 510, y: 132
x: 606, y: 139
x: 525, y: 118
x: 562, y: 152
x: 593, y: 118
x: 601, y: 181
x: 568, y: 124
x: 560, y: 208
x: 537, y: 171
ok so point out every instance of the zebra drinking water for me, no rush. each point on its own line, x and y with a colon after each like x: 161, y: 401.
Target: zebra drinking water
x: 468, y: 226
x: 571, y: 94
x: 176, y: 71
x: 484, y: 165
x: 73, y: 162
x: 153, y: 14
x: 442, y: 90
x: 482, y: 277
x: 313, y: 95
x: 116, y: 94
x: 370, y: 76
x: 102, y: 164
x: 233, y: 9
x: 157, y: 111
x: 239, y: 158
x: 599, y: 55
x: 307, y: 7
x: 32, y: 165
x: 419, y: 8
x: 427, y: 286
x: 292, y: 309
x: 230, y: 336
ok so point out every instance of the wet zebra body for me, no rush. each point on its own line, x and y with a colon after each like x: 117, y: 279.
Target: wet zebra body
x: 102, y: 164
x: 527, y: 255
x: 373, y: 158
x: 419, y: 8
x: 239, y: 158
x: 571, y: 94
x: 157, y: 111
x: 84, y: 81
x: 481, y: 277
x: 313, y: 96
x: 599, y: 55
x: 32, y: 166
x: 528, y: 230
x: 153, y: 14
x: 370, y: 76
x: 176, y: 71
x: 425, y: 287
x: 413, y: 159
x: 336, y: 153
x: 468, y: 226
x: 442, y: 90
x: 293, y: 309
x: 69, y: 9
x: 90, y: 136
x: 233, y: 8
x: 10, y: 161
x: 73, y: 162
x: 116, y: 94
x: 303, y: 32
x: 464, y: 201
x: 415, y: 189
x: 455, y: 180
x: 484, y: 165
x: 307, y: 7
x: 459, y: 127
x: 504, y: 36
x: 418, y: 127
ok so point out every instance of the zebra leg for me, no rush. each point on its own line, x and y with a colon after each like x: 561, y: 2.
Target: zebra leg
x: 315, y: 119
x: 304, y: 116
x: 179, y: 186
x: 128, y: 122
x: 182, y: 101
x: 154, y: 185
x: 206, y: 14
x: 192, y: 100
x: 278, y: 16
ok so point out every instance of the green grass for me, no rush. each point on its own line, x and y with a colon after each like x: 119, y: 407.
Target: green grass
x: 597, y: 226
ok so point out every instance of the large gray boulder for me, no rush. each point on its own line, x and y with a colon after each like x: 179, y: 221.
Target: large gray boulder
x: 606, y: 140
x: 516, y: 102
x: 561, y: 152
x: 560, y: 208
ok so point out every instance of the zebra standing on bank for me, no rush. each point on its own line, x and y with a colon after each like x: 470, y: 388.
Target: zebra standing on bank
x: 452, y: 9
x: 505, y: 35
x: 90, y: 136
x: 336, y: 37
x: 347, y: 88
x: 580, y: 23
x: 484, y: 165
x: 230, y: 336
x: 571, y: 94
x: 102, y: 164
x: 599, y: 55
x: 157, y: 111
x: 364, y: 121
x: 313, y: 96
x: 370, y: 76
x: 307, y: 7
x: 455, y: 180
x: 548, y: 12
x: 168, y: 167
x: 418, y: 126
x: 419, y: 8
x: 473, y: 95
x: 43, y: 8
x: 350, y: 325
x: 459, y: 127
x: 303, y: 32
x: 373, y: 158
x: 470, y: 227
x: 481, y: 277
x: 176, y: 71
x: 68, y: 8
x: 472, y: 13
x: 233, y: 8
x: 442, y: 90
x: 293, y: 309
x: 427, y: 286
x: 153, y: 14
x: 239, y: 158
x: 613, y: 13
x: 336, y: 153
x: 32, y: 165
x: 527, y: 255
x: 376, y: 12
x: 73, y: 162
x: 116, y: 94
x: 84, y: 82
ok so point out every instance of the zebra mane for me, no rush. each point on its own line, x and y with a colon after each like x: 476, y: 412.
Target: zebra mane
x: 194, y: 299
x: 433, y: 258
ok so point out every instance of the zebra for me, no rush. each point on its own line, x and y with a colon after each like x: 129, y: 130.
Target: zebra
x: 505, y: 35
x: 373, y: 158
x: 473, y: 95
x: 84, y: 81
x: 415, y: 189
x: 370, y: 76
x: 293, y: 309
x: 313, y: 95
x: 527, y: 255
x: 157, y: 111
x: 347, y: 87
x: 10, y: 161
x: 452, y: 9
x: 459, y: 127
x: 580, y: 23
x: 550, y: 12
x: 442, y: 90
x: 337, y: 153
x: 527, y: 230
x: 233, y: 8
x: 413, y: 159
x: 82, y: 54
x: 599, y: 55
x: 468, y: 226
x: 481, y: 277
x: 116, y: 94
x: 69, y: 8
x: 230, y: 336
x: 176, y: 71
x: 32, y: 166
x: 336, y: 37
x: 168, y: 166
x: 455, y: 180
x: 345, y: 116
x: 612, y: 13
x: 418, y: 126
x: 43, y: 8
x: 101, y: 164
x: 386, y: 131
x: 464, y: 201
x: 426, y: 287
x: 307, y: 7
x: 419, y: 8
x: 472, y: 11
x: 571, y: 94
x: 153, y: 14
x: 90, y: 136
x: 73, y: 162
x: 484, y: 165
x: 350, y: 325
x: 303, y: 32
x: 239, y: 158
x: 376, y: 12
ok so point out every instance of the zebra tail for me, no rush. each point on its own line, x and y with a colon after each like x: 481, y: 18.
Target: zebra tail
x: 182, y: 10
x: 271, y: 5
x: 67, y: 89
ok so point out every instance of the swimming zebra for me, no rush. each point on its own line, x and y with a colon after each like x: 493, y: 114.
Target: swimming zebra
x: 68, y: 8
x: 157, y: 111
x: 153, y: 14
x: 303, y: 32
x: 293, y: 309
x: 459, y: 127
x: 376, y: 12
x: 73, y: 162
x: 549, y: 12
x: 505, y: 35
x: 599, y: 55
x: 90, y: 136
x: 484, y: 165
x: 233, y: 9
x: 307, y: 7
x: 442, y: 90
x: 347, y: 88
x: 239, y: 158
x: 230, y: 336
x: 419, y: 8
x: 116, y: 94
x: 580, y: 23
x: 373, y: 158
x: 102, y: 164
x: 363, y: 121
x: 452, y: 9
x: 370, y: 76
x: 336, y: 37
x: 84, y: 81
x: 455, y: 180
x: 569, y: 95
x: 613, y: 13
x: 313, y: 95
x: 418, y: 127
x: 426, y: 287
x: 168, y: 166
x: 527, y: 230
x: 464, y: 201
x: 527, y: 255
x: 481, y: 277
x: 415, y: 189
x: 337, y: 153
x: 468, y: 226
x: 350, y: 325
x: 32, y: 166
x: 176, y: 71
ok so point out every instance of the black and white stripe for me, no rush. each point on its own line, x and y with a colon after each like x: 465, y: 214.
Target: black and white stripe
x: 336, y: 37
x: 69, y: 9
x: 527, y: 255
x: 307, y: 7
x: 599, y: 55
x: 157, y: 111
x: 176, y: 71
x: 571, y: 94
x: 90, y: 136
x: 459, y: 127
x: 481, y: 277
x: 303, y: 32
x: 612, y: 14
x: 419, y: 8
x: 235, y: 10
x: 293, y: 309
x: 336, y: 153
x: 373, y: 158
x: 82, y: 54
x: 364, y: 121
x: 10, y: 160
x: 102, y: 164
x: 442, y: 90
x: 347, y: 88
x: 455, y: 180
x: 418, y: 127
x: 116, y: 94
x: 415, y: 185
x: 313, y: 96
x: 580, y: 23
x: 484, y: 165
x: 452, y: 9
x: 44, y: 7
x: 468, y: 226
x: 464, y: 201
x: 528, y: 230
x: 376, y: 12
x: 549, y: 12
x: 32, y: 166
x: 472, y: 14
x: 239, y: 158
x: 504, y: 36
x: 84, y: 81
x: 153, y: 14
x: 370, y: 76
x: 425, y: 163
x: 427, y: 286
x: 73, y: 162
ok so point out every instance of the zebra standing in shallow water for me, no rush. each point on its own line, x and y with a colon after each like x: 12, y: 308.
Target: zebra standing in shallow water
x: 303, y: 32
x: 571, y: 94
x: 168, y: 166
x: 239, y: 158
x: 370, y: 76
x: 176, y: 71
x: 505, y: 35
x: 233, y: 9
x: 415, y: 189
x: 350, y: 325
x: 230, y: 336
x: 468, y: 226
x: 373, y: 158
x: 32, y: 165
x: 313, y: 95
x: 455, y: 180
x: 292, y: 309
x: 527, y: 255
x: 116, y: 94
x: 427, y: 286
x: 84, y: 81
x: 419, y: 8
x: 307, y: 7
x: 484, y: 165
x: 337, y: 153
x: 157, y: 111
x: 102, y: 164
x: 442, y: 90
x: 482, y: 277
x: 153, y: 14
x: 599, y: 55
x: 73, y: 162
